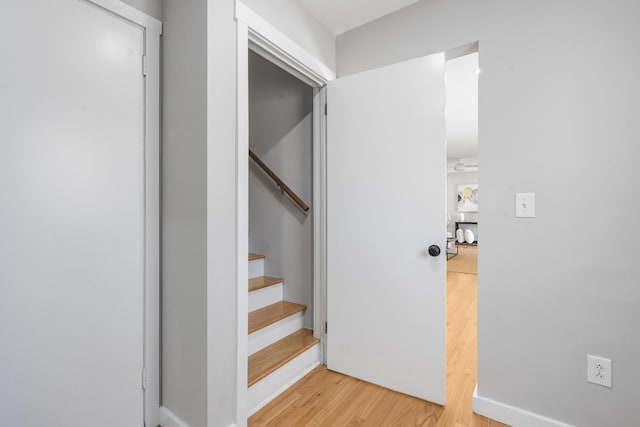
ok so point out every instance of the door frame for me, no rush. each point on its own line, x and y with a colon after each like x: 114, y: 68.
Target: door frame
x: 152, y: 29
x: 253, y: 32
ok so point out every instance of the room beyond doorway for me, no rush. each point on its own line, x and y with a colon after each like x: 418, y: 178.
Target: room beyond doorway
x: 462, y: 162
x: 462, y: 224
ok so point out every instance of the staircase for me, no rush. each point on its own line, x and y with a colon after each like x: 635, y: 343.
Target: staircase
x: 281, y: 350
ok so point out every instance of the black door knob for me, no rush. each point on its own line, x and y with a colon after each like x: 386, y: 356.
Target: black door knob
x: 434, y: 250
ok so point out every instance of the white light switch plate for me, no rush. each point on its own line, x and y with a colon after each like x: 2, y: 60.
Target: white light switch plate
x: 525, y: 205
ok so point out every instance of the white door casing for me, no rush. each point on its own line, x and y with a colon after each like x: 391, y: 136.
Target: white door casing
x: 386, y: 302
x: 75, y: 247
x: 255, y: 33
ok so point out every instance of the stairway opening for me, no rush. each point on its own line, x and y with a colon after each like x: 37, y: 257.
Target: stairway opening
x: 281, y: 346
x: 280, y: 134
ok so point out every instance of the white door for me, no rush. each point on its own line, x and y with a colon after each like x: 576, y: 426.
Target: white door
x: 386, y: 175
x: 71, y: 216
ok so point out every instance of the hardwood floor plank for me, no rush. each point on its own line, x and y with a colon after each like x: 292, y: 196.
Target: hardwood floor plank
x: 465, y: 261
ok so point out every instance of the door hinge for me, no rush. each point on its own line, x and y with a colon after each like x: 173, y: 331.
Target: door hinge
x: 145, y: 65
x: 325, y: 109
x: 144, y: 378
x: 326, y: 327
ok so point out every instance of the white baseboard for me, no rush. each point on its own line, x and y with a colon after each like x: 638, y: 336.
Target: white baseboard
x: 169, y: 419
x: 511, y: 415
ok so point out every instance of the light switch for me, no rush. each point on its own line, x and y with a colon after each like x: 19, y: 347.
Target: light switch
x: 525, y: 205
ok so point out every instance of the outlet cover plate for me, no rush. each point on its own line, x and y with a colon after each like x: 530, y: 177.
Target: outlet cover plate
x: 599, y: 370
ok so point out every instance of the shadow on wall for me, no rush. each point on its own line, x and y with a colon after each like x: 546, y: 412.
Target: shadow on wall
x: 273, y: 111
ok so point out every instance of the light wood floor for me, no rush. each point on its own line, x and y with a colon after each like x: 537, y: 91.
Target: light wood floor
x: 466, y: 261
x: 325, y: 398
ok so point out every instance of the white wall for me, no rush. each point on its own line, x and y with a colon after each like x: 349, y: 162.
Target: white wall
x: 222, y: 244
x: 558, y: 100
x: 280, y: 134
x: 453, y: 180
x: 199, y: 217
x: 184, y: 211
x: 294, y: 21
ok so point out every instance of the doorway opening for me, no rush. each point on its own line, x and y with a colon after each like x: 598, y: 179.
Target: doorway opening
x: 256, y: 36
x: 462, y: 73
x: 284, y: 337
x: 281, y: 137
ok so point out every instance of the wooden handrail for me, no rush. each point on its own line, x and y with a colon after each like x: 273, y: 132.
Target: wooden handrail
x: 297, y: 200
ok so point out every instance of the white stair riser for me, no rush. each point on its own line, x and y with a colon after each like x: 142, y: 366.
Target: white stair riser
x: 274, y: 332
x: 266, y: 296
x: 274, y: 384
x: 256, y: 268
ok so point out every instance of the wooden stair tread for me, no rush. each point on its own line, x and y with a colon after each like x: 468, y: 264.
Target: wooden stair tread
x: 263, y: 282
x: 254, y: 256
x: 265, y: 316
x: 277, y: 354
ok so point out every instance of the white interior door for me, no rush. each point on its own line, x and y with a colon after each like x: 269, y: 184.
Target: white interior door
x: 72, y: 212
x: 386, y: 296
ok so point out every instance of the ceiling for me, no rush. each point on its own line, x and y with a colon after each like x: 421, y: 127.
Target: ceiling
x: 340, y: 15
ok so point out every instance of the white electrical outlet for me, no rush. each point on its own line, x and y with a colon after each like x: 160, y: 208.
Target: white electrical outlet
x: 599, y: 370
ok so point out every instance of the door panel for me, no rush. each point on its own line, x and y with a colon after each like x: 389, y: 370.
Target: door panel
x: 386, y: 156
x: 72, y: 216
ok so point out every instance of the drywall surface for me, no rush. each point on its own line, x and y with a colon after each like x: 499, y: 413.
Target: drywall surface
x: 294, y: 21
x: 199, y: 216
x: 453, y: 181
x: 222, y: 191
x: 557, y: 103
x: 150, y: 7
x: 280, y: 133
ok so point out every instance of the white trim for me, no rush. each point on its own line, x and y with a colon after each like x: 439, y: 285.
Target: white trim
x: 152, y: 232
x: 169, y: 419
x: 271, y: 43
x: 511, y: 415
x: 130, y: 13
x: 242, y: 225
x: 319, y: 219
x: 256, y: 33
x: 152, y: 30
